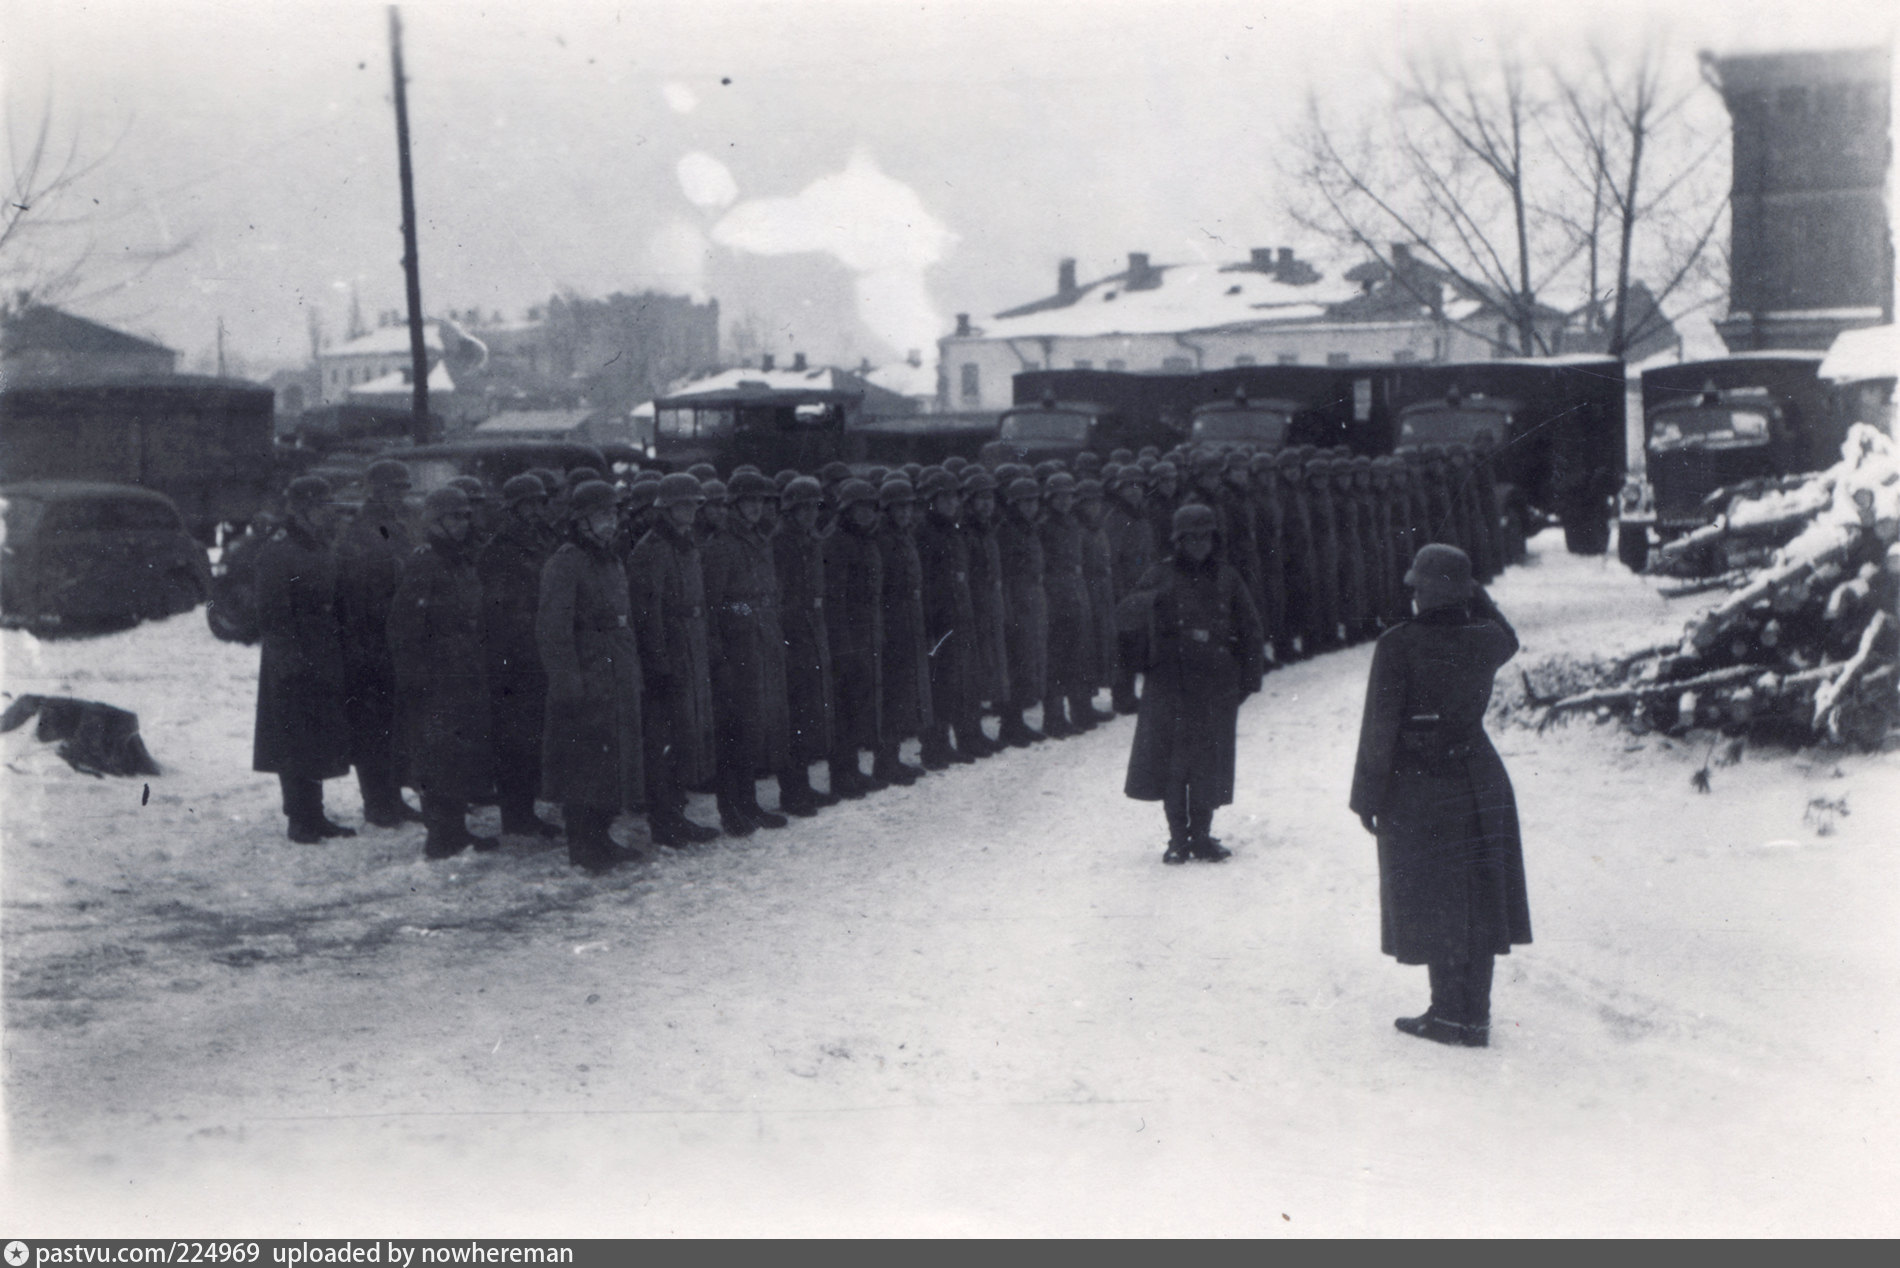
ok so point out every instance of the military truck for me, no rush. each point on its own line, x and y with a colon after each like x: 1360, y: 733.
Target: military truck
x: 205, y: 443
x: 1712, y: 429
x: 1553, y: 427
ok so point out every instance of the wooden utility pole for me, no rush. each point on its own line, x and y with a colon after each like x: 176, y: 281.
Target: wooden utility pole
x: 411, y: 261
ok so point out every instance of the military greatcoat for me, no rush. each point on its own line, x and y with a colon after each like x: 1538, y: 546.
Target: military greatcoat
x: 591, y: 751
x: 301, y: 730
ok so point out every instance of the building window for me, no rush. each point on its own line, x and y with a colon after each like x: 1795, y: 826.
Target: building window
x: 1083, y: 363
x: 1177, y: 363
x: 1114, y: 364
x: 1288, y: 358
x: 1402, y: 355
x: 1243, y: 359
x: 1339, y: 358
x: 972, y: 386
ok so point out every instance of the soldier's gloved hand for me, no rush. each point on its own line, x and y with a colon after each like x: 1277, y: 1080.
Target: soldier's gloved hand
x: 1371, y: 823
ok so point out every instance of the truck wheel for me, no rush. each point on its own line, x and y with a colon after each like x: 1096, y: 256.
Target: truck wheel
x: 1632, y: 545
x: 1587, y: 536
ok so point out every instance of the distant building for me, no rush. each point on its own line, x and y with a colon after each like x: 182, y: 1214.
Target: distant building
x: 590, y: 426
x: 1272, y: 308
x: 1811, y: 250
x: 41, y: 344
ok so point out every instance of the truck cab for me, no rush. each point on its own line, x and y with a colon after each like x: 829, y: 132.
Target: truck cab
x: 1266, y: 426
x: 1053, y: 429
x: 1711, y: 426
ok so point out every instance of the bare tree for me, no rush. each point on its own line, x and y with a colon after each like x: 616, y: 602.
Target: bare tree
x: 1615, y: 116
x: 1523, y: 187
x: 49, y: 229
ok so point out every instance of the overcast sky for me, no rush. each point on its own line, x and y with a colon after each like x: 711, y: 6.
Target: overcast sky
x: 849, y: 174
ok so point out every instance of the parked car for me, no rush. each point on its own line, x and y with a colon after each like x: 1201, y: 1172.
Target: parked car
x: 84, y: 555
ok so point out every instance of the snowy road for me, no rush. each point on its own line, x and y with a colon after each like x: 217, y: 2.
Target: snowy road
x: 980, y: 1005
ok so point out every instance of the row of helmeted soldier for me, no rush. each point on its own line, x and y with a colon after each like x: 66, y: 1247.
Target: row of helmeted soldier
x: 613, y: 648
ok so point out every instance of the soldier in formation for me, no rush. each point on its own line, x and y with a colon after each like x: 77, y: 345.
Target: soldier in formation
x: 616, y: 648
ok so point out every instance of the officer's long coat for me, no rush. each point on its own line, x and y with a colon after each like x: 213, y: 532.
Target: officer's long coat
x: 950, y: 629
x: 591, y: 751
x: 1025, y: 609
x: 1200, y: 644
x: 435, y: 645
x: 854, y: 622
x: 746, y: 649
x: 301, y: 731
x: 668, y: 590
x: 1098, y: 575
x: 510, y: 570
x: 906, y: 705
x: 370, y: 552
x: 991, y: 662
x: 799, y: 558
x: 1451, y: 862
x: 1072, y: 670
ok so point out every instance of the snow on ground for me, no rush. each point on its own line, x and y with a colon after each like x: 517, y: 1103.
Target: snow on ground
x: 976, y: 1006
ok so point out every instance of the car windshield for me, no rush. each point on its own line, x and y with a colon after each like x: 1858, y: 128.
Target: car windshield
x: 1445, y: 425
x: 99, y: 515
x: 1038, y: 424
x: 1266, y: 427
x: 1708, y: 427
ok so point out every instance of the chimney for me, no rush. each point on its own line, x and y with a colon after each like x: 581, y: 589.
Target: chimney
x: 1401, y: 257
x: 914, y: 357
x: 765, y: 361
x: 1140, y: 273
x: 1286, y: 256
x: 798, y: 361
x: 1262, y: 259
x: 963, y: 325
x: 864, y: 365
x: 1065, y: 280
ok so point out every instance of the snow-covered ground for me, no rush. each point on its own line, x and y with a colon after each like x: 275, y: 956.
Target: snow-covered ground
x: 976, y: 1006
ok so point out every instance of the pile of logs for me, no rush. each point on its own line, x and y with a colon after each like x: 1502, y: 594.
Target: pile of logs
x: 1804, y: 646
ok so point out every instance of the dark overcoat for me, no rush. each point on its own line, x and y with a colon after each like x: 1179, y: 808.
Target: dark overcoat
x: 435, y: 646
x: 1071, y: 671
x: 1239, y: 536
x: 800, y: 560
x: 950, y: 631
x: 370, y: 552
x: 1131, y: 547
x: 991, y: 662
x: 854, y: 622
x: 746, y: 650
x: 1025, y: 610
x: 1451, y: 862
x: 301, y: 731
x: 591, y: 751
x: 1202, y: 655
x: 1098, y: 576
x: 668, y: 588
x: 1269, y: 539
x: 1296, y: 545
x: 1325, y: 611
x: 1353, y: 608
x: 906, y: 706
x: 510, y: 570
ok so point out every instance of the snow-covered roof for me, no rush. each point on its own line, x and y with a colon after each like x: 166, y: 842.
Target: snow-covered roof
x: 1184, y: 297
x: 1872, y: 352
x: 396, y: 383
x: 816, y: 379
x: 388, y: 341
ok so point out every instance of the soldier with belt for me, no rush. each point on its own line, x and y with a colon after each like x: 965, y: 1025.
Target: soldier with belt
x: 798, y: 554
x: 990, y: 662
x: 906, y: 707
x: 435, y: 644
x: 1071, y: 673
x: 591, y: 755
x: 1296, y: 545
x: 369, y: 555
x: 1325, y: 616
x: 1025, y: 608
x: 943, y: 552
x: 1130, y: 552
x: 854, y: 625
x: 301, y: 735
x: 509, y: 568
x: 1429, y: 785
x: 746, y: 654
x: 1269, y: 541
x: 668, y: 593
x: 1199, y: 641
x: 1098, y: 576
